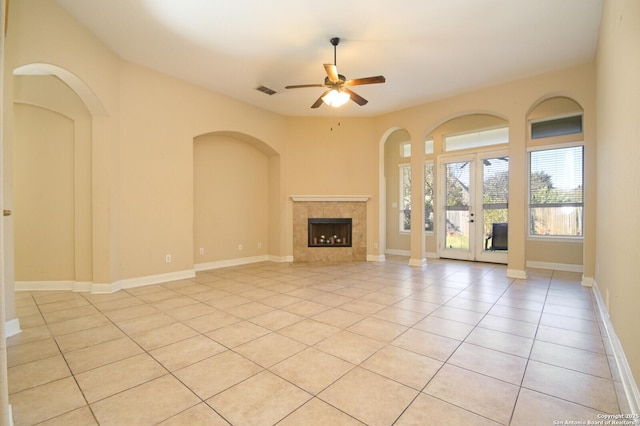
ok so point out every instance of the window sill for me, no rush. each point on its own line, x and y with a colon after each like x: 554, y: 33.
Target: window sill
x: 555, y: 239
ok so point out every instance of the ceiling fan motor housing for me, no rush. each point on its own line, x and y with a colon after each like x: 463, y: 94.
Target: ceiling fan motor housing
x: 341, y: 78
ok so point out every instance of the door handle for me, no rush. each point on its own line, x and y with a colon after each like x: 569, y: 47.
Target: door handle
x: 6, y: 212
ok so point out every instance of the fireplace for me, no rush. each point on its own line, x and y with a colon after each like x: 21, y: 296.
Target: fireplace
x: 329, y: 232
x: 351, y: 209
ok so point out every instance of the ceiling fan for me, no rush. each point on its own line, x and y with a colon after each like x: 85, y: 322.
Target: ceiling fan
x: 337, y: 93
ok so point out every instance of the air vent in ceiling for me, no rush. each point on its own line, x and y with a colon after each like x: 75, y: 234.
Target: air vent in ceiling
x: 266, y: 90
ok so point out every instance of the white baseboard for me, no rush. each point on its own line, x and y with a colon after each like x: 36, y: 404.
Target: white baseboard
x: 103, y: 287
x: 396, y: 252
x: 97, y: 288
x: 517, y: 274
x: 43, y: 285
x: 628, y: 382
x: 375, y: 258
x: 588, y: 281
x: 79, y: 286
x: 407, y: 253
x: 152, y: 279
x: 12, y: 327
x: 418, y: 262
x: 230, y: 262
x: 141, y: 281
x: 280, y: 259
x: 567, y: 267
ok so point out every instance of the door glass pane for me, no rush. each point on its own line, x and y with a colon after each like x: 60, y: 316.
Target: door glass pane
x: 457, y: 213
x: 495, y: 202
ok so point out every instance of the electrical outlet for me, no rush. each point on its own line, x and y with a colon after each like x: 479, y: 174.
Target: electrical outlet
x: 167, y: 258
x: 201, y: 250
x: 375, y: 245
x: 240, y: 247
x: 259, y: 245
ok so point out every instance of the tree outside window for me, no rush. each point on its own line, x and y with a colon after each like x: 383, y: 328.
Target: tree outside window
x: 556, y: 192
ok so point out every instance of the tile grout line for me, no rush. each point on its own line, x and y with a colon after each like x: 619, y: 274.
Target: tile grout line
x: 524, y: 372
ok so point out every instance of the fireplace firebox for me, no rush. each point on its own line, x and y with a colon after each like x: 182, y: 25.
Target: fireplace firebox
x: 329, y: 232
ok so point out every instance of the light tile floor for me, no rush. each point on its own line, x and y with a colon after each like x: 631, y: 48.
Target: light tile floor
x: 329, y: 344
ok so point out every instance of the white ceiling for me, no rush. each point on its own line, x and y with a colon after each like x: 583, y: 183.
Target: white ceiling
x: 426, y: 49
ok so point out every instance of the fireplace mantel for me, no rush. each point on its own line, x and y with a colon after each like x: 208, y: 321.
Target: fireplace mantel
x: 330, y: 198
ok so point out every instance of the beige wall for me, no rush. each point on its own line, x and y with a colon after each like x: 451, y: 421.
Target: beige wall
x: 143, y: 146
x: 618, y: 226
x: 231, y: 199
x: 324, y: 158
x: 42, y: 33
x: 52, y: 182
x: 144, y: 125
x: 43, y: 198
x: 160, y: 117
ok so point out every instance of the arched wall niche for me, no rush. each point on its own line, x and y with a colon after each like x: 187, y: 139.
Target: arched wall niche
x: 236, y: 199
x: 43, y: 154
x: 83, y: 91
x: 260, y: 145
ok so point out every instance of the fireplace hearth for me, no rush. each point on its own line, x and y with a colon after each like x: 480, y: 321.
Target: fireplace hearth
x: 329, y: 232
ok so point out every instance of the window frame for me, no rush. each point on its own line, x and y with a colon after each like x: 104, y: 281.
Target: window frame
x: 401, y: 205
x: 429, y: 146
x: 403, y: 149
x: 433, y: 196
x: 491, y: 146
x: 557, y: 238
x: 558, y: 117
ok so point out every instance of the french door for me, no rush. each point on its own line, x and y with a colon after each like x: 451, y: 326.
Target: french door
x: 473, y: 202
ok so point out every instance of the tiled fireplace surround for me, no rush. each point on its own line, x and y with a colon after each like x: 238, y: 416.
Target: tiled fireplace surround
x: 305, y: 207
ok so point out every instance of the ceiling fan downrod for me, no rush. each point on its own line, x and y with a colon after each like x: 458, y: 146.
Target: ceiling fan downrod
x: 335, y: 41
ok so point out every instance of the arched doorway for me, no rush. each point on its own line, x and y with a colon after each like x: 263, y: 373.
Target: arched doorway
x: 473, y: 187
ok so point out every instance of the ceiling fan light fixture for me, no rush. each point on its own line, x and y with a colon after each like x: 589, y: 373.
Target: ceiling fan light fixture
x: 336, y: 98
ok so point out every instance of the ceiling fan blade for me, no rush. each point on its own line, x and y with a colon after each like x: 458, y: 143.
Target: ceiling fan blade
x: 366, y: 80
x: 355, y: 97
x: 332, y: 72
x: 317, y: 103
x: 299, y: 86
